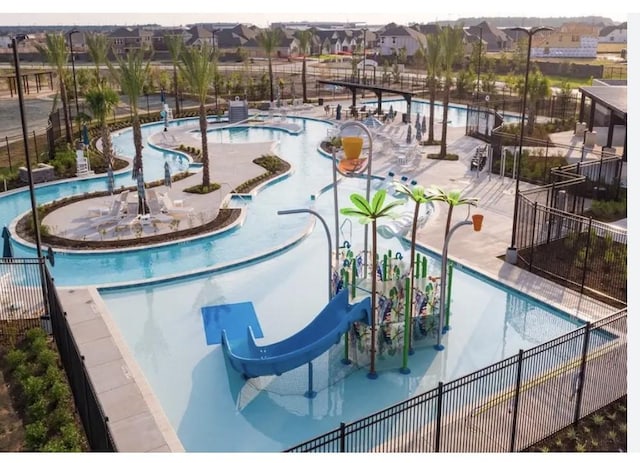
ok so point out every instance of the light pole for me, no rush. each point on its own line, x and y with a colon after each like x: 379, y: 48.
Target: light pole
x: 73, y: 68
x: 512, y: 253
x: 364, y: 57
x: 25, y: 138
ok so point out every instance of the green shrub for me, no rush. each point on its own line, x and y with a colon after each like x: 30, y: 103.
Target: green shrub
x: 35, y: 333
x: 36, y: 347
x: 45, y: 359
x: 33, y: 387
x: 53, y: 375
x: 71, y: 437
x: 35, y: 435
x: 64, y: 163
x: 37, y: 410
x: 55, y: 444
x: 14, y: 358
x: 60, y: 394
x: 60, y: 416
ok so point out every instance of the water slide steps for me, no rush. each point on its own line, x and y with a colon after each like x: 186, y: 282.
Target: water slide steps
x: 252, y: 360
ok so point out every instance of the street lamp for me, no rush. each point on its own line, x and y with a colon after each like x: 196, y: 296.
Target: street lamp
x: 512, y: 253
x: 73, y: 67
x: 25, y: 138
x: 364, y: 57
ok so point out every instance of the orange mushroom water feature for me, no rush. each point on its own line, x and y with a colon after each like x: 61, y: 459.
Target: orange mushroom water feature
x: 352, y: 146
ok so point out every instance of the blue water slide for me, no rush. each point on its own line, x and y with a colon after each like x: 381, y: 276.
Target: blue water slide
x: 314, y: 339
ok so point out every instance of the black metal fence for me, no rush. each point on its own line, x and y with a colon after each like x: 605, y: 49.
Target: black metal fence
x: 588, y: 256
x: 96, y: 424
x: 21, y: 298
x: 23, y: 306
x: 505, y: 407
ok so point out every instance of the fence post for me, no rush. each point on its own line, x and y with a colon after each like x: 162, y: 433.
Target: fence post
x: 586, y: 256
x: 6, y: 139
x: 438, y: 416
x: 533, y: 234
x: 581, y: 373
x: 516, y: 401
x: 342, y: 437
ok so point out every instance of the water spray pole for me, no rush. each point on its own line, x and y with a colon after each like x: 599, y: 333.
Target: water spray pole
x: 407, y: 327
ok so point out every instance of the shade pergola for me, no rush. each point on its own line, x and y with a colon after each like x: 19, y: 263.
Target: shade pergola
x: 378, y: 90
x: 614, y: 99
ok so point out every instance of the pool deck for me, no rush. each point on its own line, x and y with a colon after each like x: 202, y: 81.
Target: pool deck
x: 136, y: 420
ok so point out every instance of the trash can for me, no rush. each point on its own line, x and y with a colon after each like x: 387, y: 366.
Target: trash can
x: 320, y: 101
x: 405, y: 119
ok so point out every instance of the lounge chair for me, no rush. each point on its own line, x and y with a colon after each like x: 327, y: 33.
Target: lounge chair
x: 169, y: 207
x: 106, y: 209
x: 115, y: 212
x: 155, y: 208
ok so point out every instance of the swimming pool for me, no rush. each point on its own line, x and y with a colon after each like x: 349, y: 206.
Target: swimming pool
x: 457, y: 115
x: 209, y: 405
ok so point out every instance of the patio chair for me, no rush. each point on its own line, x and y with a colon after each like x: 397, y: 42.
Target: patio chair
x: 105, y: 210
x: 115, y: 212
x: 169, y: 207
x: 155, y: 208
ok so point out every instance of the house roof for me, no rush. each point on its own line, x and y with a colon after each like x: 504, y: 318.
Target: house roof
x: 609, y: 29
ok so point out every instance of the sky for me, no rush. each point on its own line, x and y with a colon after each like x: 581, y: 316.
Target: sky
x: 262, y: 13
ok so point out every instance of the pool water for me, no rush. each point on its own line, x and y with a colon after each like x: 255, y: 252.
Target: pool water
x: 209, y: 405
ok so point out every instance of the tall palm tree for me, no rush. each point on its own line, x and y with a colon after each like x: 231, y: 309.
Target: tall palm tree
x: 197, y: 68
x: 175, y: 44
x: 55, y: 51
x: 451, y: 51
x: 371, y: 212
x: 304, y: 38
x: 453, y: 198
x: 269, y: 39
x: 98, y: 47
x: 101, y: 100
x: 418, y: 196
x: 433, y: 57
x: 132, y: 73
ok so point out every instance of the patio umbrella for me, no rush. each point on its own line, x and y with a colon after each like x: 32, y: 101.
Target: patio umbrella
x: 167, y: 175
x: 7, y: 250
x: 418, y: 132
x: 424, y: 125
x: 110, y: 180
x: 85, y: 135
x: 417, y: 118
x: 408, y: 135
x: 142, y: 202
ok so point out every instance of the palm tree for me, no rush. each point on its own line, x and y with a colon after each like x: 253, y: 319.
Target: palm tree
x: 55, y: 51
x: 269, y: 39
x: 197, y: 68
x: 451, y: 52
x: 304, y: 38
x: 98, y: 46
x: 417, y: 195
x: 371, y: 213
x: 432, y: 58
x: 132, y: 73
x: 538, y: 88
x: 175, y: 44
x: 101, y: 100
x: 452, y: 198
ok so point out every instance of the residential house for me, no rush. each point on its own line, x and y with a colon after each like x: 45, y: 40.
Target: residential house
x: 392, y: 39
x: 199, y: 35
x: 125, y: 39
x: 494, y: 39
x: 571, y: 40
x: 613, y: 34
x: 159, y: 43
